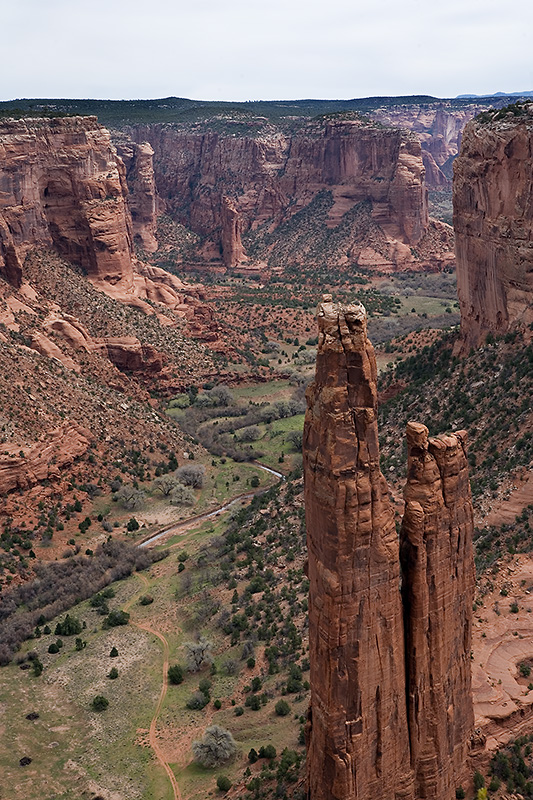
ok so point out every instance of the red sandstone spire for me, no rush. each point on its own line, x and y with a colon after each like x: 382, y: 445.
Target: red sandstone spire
x: 358, y: 739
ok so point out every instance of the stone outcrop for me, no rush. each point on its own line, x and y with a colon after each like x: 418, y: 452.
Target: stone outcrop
x: 222, y: 186
x: 62, y: 185
x: 391, y: 710
x: 493, y: 221
x: 142, y: 196
x: 44, y: 460
x: 438, y: 580
x: 358, y: 743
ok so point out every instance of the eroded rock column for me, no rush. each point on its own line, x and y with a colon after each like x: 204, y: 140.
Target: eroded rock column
x: 358, y: 744
x: 438, y: 592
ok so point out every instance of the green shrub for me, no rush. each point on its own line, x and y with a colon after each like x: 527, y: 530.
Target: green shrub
x: 223, y: 783
x: 113, y: 653
x: 99, y: 703
x: 113, y: 673
x: 115, y: 618
x: 282, y: 708
x: 146, y: 600
x: 175, y: 674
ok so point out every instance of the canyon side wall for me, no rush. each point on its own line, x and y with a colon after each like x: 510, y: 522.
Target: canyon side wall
x: 62, y: 185
x: 391, y: 711
x: 220, y: 185
x: 358, y: 745
x: 439, y: 129
x: 438, y: 580
x: 493, y: 222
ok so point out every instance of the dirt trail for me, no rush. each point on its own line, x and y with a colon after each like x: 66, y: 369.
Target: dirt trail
x: 154, y: 744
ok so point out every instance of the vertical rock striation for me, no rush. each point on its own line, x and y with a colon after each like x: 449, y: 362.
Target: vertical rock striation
x: 391, y: 711
x: 62, y: 184
x: 358, y: 740
x: 438, y: 592
x: 493, y: 221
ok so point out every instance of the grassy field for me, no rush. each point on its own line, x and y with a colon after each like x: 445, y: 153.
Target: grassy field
x: 79, y: 753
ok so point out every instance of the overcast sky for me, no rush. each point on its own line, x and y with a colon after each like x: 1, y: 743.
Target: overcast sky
x: 263, y: 49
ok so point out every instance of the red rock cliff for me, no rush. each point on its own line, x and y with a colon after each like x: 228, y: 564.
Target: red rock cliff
x: 358, y: 740
x: 142, y: 197
x: 272, y: 176
x: 62, y: 184
x: 439, y: 127
x: 493, y: 221
x: 438, y: 580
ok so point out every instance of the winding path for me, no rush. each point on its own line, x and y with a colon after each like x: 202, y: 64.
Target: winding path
x: 154, y: 744
x: 179, y: 526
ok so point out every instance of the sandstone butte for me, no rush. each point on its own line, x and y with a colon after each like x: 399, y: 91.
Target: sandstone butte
x: 493, y: 221
x: 391, y: 711
x: 221, y: 186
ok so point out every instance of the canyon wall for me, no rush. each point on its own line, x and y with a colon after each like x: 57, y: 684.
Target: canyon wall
x: 493, y: 221
x: 439, y: 128
x: 221, y: 186
x: 62, y: 185
x: 391, y: 711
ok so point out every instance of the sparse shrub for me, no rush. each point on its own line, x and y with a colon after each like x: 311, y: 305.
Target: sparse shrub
x: 99, y: 703
x: 197, y: 701
x: 183, y: 496
x: 191, y: 475
x: 198, y: 654
x: 216, y: 747
x: 130, y: 498
x: 165, y: 485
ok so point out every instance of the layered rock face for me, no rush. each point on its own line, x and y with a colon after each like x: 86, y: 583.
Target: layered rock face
x: 221, y: 186
x: 58, y: 449
x: 438, y: 579
x: 359, y: 743
x: 493, y: 221
x: 391, y: 707
x: 142, y: 197
x: 439, y: 128
x: 62, y: 184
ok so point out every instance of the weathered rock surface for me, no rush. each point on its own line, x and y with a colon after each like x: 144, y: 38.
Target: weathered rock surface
x: 62, y: 184
x: 358, y: 740
x: 438, y: 580
x: 391, y: 711
x: 222, y: 186
x: 142, y: 197
x: 493, y: 221
x: 439, y: 127
x: 44, y: 460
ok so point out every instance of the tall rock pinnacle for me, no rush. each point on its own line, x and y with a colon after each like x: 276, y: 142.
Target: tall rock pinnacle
x: 438, y: 592
x: 391, y: 711
x: 358, y: 739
